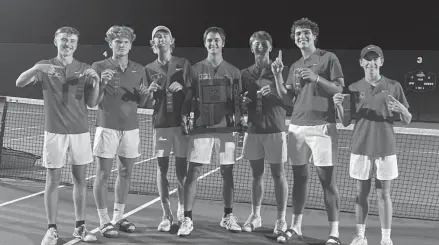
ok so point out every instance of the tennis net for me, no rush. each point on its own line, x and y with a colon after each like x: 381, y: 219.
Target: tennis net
x: 415, y: 193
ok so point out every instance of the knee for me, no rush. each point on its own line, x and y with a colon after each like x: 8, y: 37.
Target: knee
x: 124, y: 172
x: 102, y: 176
x: 257, y: 173
x: 181, y: 168
x: 300, y: 174
x: 383, y: 194
x: 278, y: 175
x: 227, y: 172
x: 361, y: 197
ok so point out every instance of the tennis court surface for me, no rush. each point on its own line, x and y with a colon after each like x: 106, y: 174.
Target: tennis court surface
x: 415, y: 194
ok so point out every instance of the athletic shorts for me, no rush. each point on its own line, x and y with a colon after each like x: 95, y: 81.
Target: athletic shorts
x: 271, y: 147
x: 60, y: 149
x: 363, y: 167
x: 167, y: 139
x: 317, y: 144
x: 202, y: 146
x: 110, y: 142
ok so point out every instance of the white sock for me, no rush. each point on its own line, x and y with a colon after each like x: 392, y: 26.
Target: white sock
x: 361, y: 229
x: 118, y: 212
x: 103, y: 216
x: 256, y: 210
x: 166, y: 207
x: 296, y: 225
x: 385, y: 235
x: 281, y: 215
x: 334, y: 228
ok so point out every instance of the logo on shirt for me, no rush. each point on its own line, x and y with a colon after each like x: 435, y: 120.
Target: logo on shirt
x: 362, y: 95
x: 204, y: 76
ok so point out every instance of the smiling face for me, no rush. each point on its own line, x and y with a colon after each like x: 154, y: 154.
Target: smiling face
x: 66, y: 43
x: 304, y: 38
x: 214, y: 43
x: 371, y: 63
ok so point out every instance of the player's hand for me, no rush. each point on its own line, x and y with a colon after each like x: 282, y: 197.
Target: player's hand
x: 175, y: 87
x: 265, y: 91
x: 308, y: 75
x: 277, y: 66
x: 107, y: 75
x: 48, y: 69
x: 396, y: 106
x: 153, y: 87
x: 244, y: 99
x: 91, y: 73
x: 143, y: 90
x: 338, y: 99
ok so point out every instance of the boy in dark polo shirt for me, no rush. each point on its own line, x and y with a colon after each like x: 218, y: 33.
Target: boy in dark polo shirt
x: 68, y: 87
x: 201, y: 146
x: 377, y: 99
x: 117, y: 128
x: 312, y: 134
x: 167, y: 78
x: 265, y: 139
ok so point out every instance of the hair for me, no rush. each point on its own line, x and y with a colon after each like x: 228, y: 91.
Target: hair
x: 154, y: 49
x: 305, y: 23
x: 215, y: 29
x: 261, y: 35
x: 68, y: 30
x: 120, y: 31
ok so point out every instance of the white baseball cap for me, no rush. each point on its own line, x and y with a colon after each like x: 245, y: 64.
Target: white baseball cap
x: 160, y: 28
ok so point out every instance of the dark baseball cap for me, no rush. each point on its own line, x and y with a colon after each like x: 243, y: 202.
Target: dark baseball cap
x: 371, y: 48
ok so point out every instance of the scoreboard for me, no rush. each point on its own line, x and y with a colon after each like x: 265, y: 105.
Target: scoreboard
x: 420, y: 80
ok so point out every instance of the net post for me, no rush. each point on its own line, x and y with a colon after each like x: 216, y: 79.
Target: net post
x: 3, y: 109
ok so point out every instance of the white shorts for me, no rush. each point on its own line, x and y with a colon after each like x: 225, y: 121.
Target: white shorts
x: 272, y: 147
x: 110, y: 142
x: 201, y: 148
x: 363, y: 167
x: 318, y: 144
x: 167, y: 139
x: 60, y: 149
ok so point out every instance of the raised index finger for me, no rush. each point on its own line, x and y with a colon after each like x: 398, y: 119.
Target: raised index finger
x: 280, y: 55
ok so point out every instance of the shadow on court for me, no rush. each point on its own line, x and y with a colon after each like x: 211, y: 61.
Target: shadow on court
x: 24, y: 222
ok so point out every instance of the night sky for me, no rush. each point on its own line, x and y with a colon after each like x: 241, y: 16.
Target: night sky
x: 346, y: 25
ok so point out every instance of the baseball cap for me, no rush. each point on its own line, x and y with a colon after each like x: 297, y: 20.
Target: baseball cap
x: 371, y: 48
x: 160, y: 28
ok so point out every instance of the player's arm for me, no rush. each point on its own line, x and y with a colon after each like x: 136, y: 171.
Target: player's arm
x: 106, y: 76
x: 34, y: 74
x: 151, y: 88
x: 400, y: 105
x: 189, y: 87
x: 281, y: 88
x: 335, y: 75
x: 345, y: 116
x: 95, y: 80
x: 143, y: 91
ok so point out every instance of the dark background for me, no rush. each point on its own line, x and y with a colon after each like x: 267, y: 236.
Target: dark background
x: 404, y: 30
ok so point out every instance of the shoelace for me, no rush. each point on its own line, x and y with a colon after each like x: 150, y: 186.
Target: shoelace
x: 230, y: 221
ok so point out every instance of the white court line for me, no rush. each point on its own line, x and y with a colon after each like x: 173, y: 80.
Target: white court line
x: 61, y: 186
x: 12, y: 129
x: 76, y: 240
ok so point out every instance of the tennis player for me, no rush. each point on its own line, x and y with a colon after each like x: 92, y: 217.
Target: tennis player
x: 167, y: 78
x: 117, y: 128
x: 265, y: 139
x: 202, y: 146
x: 68, y: 87
x: 377, y: 100
x: 312, y: 133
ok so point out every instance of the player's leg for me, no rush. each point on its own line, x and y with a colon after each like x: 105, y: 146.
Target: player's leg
x: 163, y: 138
x: 254, y: 152
x: 180, y: 146
x: 54, y: 158
x: 201, y: 152
x: 225, y: 149
x: 360, y: 168
x: 299, y: 154
x: 387, y: 170
x: 105, y: 148
x: 275, y: 147
x: 80, y: 156
x: 128, y: 152
x: 323, y: 141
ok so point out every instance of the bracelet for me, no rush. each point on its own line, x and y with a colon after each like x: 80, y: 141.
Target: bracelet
x: 317, y: 80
